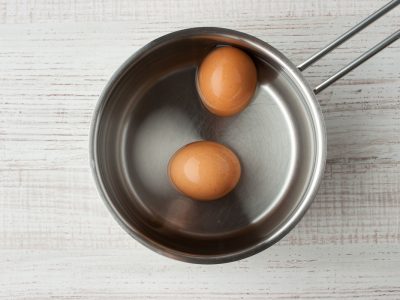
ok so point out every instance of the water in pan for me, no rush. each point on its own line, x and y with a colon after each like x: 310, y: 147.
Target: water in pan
x: 170, y: 115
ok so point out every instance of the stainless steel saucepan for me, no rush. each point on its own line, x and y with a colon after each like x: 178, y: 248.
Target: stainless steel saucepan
x: 150, y: 108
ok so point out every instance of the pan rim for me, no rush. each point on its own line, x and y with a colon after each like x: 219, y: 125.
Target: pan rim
x: 319, y: 159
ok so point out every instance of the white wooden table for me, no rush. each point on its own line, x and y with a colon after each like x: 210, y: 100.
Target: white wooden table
x: 57, y: 239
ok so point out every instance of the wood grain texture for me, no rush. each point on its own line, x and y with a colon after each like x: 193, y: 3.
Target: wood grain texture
x: 57, y: 240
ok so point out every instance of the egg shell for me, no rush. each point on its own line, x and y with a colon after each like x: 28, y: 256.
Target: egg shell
x: 204, y: 170
x: 226, y: 81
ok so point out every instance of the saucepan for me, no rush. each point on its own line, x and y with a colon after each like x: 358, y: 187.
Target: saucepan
x: 151, y: 107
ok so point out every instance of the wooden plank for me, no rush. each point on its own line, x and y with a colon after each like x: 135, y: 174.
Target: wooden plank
x: 306, y: 272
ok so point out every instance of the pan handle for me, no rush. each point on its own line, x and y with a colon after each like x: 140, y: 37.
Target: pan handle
x: 344, y: 37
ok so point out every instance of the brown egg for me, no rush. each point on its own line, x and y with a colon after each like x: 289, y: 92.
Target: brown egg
x: 204, y: 170
x: 226, y: 81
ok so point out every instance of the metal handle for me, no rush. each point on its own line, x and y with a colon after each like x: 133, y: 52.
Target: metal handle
x: 341, y: 39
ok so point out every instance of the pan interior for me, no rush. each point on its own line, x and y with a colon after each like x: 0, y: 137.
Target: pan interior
x: 154, y: 109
